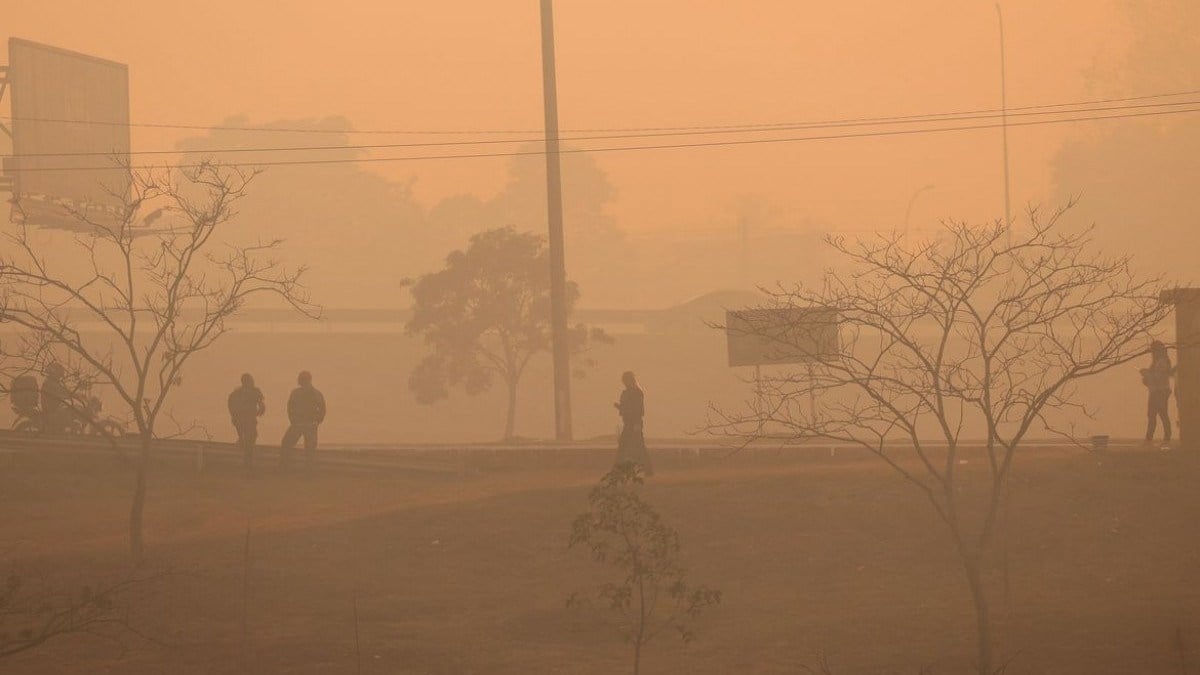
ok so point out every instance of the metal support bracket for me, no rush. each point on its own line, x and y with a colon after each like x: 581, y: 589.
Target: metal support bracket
x: 7, y: 184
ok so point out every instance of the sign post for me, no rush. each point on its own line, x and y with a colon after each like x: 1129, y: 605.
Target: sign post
x: 792, y: 335
x: 1187, y: 373
x: 767, y: 337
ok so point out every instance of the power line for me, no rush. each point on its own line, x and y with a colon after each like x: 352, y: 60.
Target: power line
x: 463, y: 132
x: 564, y: 151
x: 427, y: 144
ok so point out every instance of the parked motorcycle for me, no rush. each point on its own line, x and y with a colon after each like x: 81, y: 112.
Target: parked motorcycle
x: 70, y: 419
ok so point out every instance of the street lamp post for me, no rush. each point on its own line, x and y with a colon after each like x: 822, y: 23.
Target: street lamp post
x: 912, y: 200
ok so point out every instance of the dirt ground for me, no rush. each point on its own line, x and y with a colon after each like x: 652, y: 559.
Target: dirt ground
x: 470, y: 572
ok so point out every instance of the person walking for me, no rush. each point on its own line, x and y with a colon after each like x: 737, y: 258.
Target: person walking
x: 631, y: 444
x: 306, y: 411
x: 246, y: 405
x: 1157, y: 379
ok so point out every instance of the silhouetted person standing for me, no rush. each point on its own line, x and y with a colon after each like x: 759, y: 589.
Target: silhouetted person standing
x: 631, y: 445
x: 1157, y: 379
x: 246, y: 405
x: 306, y: 410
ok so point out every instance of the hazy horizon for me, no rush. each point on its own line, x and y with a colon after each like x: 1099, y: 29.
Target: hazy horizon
x: 475, y: 66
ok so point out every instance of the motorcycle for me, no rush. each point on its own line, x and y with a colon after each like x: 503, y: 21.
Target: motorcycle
x: 68, y: 419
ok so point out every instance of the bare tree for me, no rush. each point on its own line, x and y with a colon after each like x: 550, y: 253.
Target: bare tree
x: 963, y: 337
x: 153, y: 297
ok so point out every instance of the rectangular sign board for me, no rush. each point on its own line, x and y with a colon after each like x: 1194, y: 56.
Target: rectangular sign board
x: 763, y: 337
x: 70, y: 124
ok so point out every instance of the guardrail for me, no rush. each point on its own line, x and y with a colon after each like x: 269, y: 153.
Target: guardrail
x: 457, y: 458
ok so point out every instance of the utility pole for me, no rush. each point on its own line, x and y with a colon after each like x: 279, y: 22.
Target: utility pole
x: 558, y: 267
x: 1004, y: 128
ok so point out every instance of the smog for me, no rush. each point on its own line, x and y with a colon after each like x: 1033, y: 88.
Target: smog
x: 548, y: 337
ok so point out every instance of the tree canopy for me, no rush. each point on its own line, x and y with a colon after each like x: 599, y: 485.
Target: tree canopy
x: 486, y: 314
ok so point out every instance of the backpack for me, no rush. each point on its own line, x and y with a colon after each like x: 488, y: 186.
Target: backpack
x: 24, y: 393
x: 243, y: 402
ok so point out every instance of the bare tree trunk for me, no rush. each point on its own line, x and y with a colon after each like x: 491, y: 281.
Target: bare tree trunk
x: 983, y: 622
x: 246, y: 596
x: 136, y: 547
x: 510, y: 423
x: 357, y: 643
x: 640, y: 638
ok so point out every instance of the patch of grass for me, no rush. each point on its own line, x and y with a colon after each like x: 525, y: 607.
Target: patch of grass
x: 468, y: 573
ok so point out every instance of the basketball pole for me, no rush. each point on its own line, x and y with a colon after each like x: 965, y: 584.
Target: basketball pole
x: 558, y: 269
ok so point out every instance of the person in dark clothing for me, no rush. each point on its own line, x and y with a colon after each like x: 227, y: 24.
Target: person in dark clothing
x: 306, y: 410
x: 246, y: 405
x: 1157, y: 379
x: 631, y: 445
x: 56, y: 401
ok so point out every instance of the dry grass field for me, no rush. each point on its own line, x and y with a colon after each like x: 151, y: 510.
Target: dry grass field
x: 469, y: 572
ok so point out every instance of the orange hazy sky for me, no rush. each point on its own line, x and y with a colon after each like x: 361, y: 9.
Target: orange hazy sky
x: 458, y: 64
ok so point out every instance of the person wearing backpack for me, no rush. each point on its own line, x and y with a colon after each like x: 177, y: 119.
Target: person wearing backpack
x: 24, y: 393
x: 246, y: 405
x: 57, y: 411
x: 1157, y: 379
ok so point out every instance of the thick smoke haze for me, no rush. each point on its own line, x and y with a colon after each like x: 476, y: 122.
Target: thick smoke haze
x: 874, y: 346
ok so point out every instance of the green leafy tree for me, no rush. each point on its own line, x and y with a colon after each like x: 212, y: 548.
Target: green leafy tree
x: 600, y: 256
x: 486, y: 315
x: 622, y: 530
